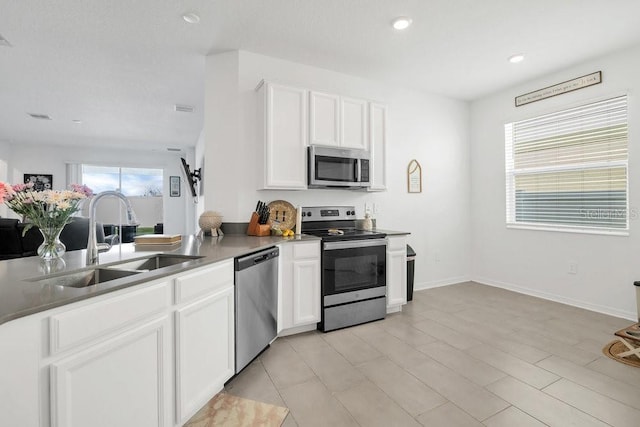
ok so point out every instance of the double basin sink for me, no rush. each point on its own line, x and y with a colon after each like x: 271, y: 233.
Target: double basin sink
x: 102, y: 274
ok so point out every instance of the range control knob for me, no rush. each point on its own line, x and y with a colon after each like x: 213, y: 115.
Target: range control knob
x: 304, y: 214
x: 351, y: 212
x: 308, y: 213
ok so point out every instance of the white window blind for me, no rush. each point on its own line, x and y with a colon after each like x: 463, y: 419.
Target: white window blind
x: 568, y: 170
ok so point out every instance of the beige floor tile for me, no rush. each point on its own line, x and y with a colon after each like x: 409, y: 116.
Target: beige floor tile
x: 540, y: 405
x: 595, y: 381
x: 332, y: 368
x: 403, y: 330
x: 371, y: 407
x: 461, y: 362
x: 458, y: 340
x: 517, y: 368
x: 412, y: 395
x: 311, y: 404
x: 308, y: 341
x: 448, y: 415
x: 394, y: 348
x: 616, y: 370
x: 284, y: 366
x: 254, y: 383
x: 470, y: 397
x: 351, y: 346
x: 289, y: 421
x: 595, y: 404
x: 512, y: 417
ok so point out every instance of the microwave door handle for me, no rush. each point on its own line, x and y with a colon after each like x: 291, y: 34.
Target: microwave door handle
x: 358, y: 170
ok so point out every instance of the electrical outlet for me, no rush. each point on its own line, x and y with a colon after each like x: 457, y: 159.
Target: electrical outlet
x: 376, y: 207
x: 367, y: 207
x: 573, y: 268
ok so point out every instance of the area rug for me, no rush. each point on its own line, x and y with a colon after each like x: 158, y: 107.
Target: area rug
x: 228, y: 410
x: 616, y: 347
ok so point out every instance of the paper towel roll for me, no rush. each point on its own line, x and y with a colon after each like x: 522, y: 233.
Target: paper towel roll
x: 298, y: 220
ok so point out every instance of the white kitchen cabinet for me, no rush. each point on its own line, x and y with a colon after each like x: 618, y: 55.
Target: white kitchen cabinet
x: 338, y: 121
x: 204, y: 338
x: 353, y: 123
x: 378, y: 146
x: 121, y: 381
x: 396, y: 272
x: 324, y: 119
x: 284, y: 124
x: 299, y: 295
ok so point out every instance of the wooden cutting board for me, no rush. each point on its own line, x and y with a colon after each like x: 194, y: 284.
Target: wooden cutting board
x: 158, y: 239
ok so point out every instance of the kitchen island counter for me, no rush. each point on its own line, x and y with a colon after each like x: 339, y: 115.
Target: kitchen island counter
x: 22, y: 292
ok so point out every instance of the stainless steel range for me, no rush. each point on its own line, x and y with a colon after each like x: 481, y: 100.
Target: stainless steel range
x: 353, y: 267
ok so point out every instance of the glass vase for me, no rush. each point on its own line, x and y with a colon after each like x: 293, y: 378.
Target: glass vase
x: 51, y: 248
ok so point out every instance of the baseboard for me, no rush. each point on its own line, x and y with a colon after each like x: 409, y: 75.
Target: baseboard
x: 439, y: 283
x: 556, y: 298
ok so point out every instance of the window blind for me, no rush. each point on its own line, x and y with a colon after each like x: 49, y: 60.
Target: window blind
x: 568, y: 169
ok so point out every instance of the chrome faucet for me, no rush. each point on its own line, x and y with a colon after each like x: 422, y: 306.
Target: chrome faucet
x: 92, y: 243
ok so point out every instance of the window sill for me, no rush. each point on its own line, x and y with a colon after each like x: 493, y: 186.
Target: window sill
x: 576, y: 230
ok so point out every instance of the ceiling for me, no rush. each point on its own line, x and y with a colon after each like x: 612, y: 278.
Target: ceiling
x: 120, y: 67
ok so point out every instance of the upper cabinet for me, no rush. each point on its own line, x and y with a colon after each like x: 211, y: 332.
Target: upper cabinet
x: 354, y: 123
x: 338, y: 121
x: 324, y: 125
x: 377, y: 146
x: 285, y: 123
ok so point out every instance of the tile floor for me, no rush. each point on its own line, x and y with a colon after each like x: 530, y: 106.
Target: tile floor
x: 461, y: 355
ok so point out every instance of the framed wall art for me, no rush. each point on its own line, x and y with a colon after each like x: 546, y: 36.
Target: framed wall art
x: 40, y: 181
x: 174, y: 186
x: 414, y: 177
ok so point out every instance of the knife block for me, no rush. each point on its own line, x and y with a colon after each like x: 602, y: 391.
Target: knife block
x: 255, y: 229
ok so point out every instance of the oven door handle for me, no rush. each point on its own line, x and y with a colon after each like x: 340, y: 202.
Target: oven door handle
x: 349, y: 244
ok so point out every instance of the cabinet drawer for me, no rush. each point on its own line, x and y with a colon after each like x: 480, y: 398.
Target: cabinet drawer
x: 306, y: 250
x: 204, y: 281
x: 83, y: 324
x: 396, y: 243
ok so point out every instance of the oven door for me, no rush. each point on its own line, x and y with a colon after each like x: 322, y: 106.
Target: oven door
x: 353, y: 269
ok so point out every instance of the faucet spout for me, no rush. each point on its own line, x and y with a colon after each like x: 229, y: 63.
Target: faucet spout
x: 92, y: 243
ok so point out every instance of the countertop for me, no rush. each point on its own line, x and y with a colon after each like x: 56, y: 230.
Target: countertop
x: 21, y: 294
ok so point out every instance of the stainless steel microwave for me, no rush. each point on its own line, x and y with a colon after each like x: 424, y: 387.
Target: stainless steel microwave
x: 330, y: 167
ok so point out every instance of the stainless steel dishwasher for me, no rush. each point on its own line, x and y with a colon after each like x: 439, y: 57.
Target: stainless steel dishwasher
x: 256, y: 286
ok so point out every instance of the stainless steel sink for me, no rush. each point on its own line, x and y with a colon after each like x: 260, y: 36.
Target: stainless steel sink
x: 84, y: 278
x: 155, y: 262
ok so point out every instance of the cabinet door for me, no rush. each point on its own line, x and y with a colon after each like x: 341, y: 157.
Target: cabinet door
x: 120, y: 382
x: 286, y: 137
x: 396, y: 272
x: 354, y: 123
x: 324, y: 124
x: 205, y: 351
x: 306, y: 291
x: 377, y: 146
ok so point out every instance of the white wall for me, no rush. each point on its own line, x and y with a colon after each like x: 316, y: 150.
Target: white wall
x: 5, y: 155
x: 25, y: 158
x: 429, y: 128
x: 537, y: 262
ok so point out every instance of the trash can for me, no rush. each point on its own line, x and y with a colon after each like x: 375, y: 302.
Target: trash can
x: 411, y: 261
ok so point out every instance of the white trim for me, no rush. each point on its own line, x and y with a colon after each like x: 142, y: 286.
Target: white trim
x: 566, y: 229
x: 440, y: 283
x: 611, y: 311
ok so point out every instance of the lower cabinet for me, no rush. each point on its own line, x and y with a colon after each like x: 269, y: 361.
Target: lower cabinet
x: 205, y: 351
x: 396, y: 272
x: 121, y: 381
x: 299, y: 286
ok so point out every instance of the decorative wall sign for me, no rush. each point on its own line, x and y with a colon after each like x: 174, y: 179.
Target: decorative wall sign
x: 414, y: 177
x: 560, y: 88
x: 40, y: 181
x: 174, y: 186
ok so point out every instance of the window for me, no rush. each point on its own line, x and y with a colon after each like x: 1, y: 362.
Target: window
x: 568, y: 170
x: 132, y: 182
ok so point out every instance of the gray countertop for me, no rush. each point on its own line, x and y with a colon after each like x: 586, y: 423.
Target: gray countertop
x: 21, y: 293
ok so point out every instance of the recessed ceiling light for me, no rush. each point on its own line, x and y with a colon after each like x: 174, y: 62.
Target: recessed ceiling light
x: 514, y: 59
x: 191, y: 18
x: 401, y: 22
x: 76, y: 121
